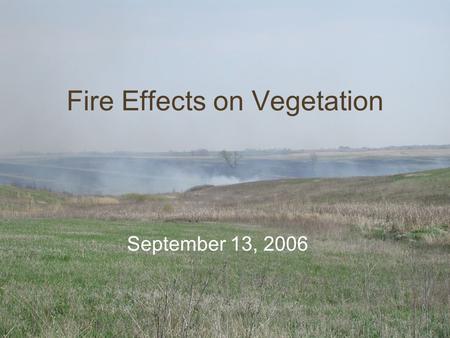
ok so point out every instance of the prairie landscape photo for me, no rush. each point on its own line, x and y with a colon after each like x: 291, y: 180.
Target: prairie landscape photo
x: 224, y: 169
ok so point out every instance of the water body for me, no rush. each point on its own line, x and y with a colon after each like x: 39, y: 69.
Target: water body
x: 118, y: 175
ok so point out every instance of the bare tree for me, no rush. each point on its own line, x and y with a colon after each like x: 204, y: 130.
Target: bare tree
x: 230, y: 157
x: 313, y: 157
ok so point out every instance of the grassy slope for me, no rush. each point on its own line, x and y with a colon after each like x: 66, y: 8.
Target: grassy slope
x: 73, y: 277
x: 426, y: 187
x: 11, y: 196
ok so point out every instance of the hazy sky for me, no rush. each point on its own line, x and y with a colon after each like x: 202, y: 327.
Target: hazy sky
x: 397, y: 49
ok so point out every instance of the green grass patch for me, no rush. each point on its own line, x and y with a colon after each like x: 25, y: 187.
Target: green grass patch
x: 72, y: 277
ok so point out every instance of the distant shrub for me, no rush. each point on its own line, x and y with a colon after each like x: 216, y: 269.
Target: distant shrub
x: 168, y: 208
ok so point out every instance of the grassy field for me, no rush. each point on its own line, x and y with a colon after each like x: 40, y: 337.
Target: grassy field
x: 377, y: 264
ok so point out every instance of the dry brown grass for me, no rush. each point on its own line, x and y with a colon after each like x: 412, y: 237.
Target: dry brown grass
x: 409, y: 206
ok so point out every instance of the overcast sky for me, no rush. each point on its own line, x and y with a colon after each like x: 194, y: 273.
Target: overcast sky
x: 397, y: 49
